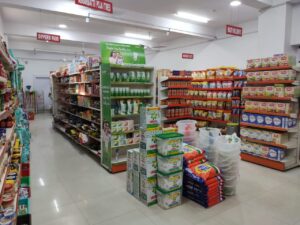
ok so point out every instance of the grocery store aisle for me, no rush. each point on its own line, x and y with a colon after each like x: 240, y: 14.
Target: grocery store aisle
x: 69, y: 187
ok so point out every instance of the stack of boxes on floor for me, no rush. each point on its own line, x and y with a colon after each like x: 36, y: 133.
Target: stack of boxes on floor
x: 142, y: 162
x: 202, y: 181
x: 170, y: 174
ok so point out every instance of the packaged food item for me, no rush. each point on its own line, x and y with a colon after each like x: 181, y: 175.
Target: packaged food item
x: 279, y: 138
x: 205, y: 170
x: 260, y: 119
x: 170, y: 199
x: 250, y: 76
x: 253, y: 91
x: 263, y: 106
x: 266, y: 75
x: 271, y: 107
x: 257, y: 63
x: 260, y: 91
x: 250, y: 63
x: 279, y: 92
x: 269, y: 91
x: 252, y: 118
x: 274, y: 62
x: 290, y: 92
x: 257, y: 76
x: 281, y: 108
x: 245, y: 117
x: 283, y: 74
x: 276, y: 154
x: 246, y: 91
x: 285, y: 60
x: 265, y: 62
x: 275, y: 75
x: 168, y: 164
x: 269, y: 120
x: 169, y: 181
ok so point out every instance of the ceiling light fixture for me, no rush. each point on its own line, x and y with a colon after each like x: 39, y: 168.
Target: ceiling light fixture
x: 193, y: 17
x: 138, y: 36
x: 235, y: 3
x: 87, y: 19
x: 63, y: 26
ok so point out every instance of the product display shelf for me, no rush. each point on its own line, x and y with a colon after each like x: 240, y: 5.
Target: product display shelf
x: 269, y: 68
x: 124, y: 88
x: 5, y: 59
x: 291, y: 115
x: 289, y: 145
x: 67, y: 104
x: 129, y: 97
x: 88, y: 120
x: 271, y: 98
x: 82, y: 131
x: 278, y: 165
x: 132, y: 83
x: 293, y: 82
x: 80, y: 106
x: 63, y: 131
x: 284, y: 155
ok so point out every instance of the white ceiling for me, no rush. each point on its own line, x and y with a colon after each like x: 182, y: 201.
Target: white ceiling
x: 128, y: 17
x: 219, y: 11
x: 76, y: 23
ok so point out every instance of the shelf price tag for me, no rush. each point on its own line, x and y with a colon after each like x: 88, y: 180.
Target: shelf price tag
x: 234, y: 30
x: 100, y: 5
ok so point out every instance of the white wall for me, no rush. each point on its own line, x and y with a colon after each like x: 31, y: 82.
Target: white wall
x: 228, y: 52
x: 295, y: 37
x: 1, y: 25
x: 37, y: 65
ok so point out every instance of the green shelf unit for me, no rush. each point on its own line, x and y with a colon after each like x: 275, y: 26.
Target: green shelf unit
x: 132, y: 83
x: 110, y: 153
x: 135, y: 97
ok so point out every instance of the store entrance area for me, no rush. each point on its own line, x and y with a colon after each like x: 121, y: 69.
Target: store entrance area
x: 70, y: 187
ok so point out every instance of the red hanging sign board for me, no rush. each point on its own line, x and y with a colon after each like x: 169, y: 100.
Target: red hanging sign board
x: 234, y: 30
x: 100, y: 5
x: 48, y: 37
x: 187, y: 56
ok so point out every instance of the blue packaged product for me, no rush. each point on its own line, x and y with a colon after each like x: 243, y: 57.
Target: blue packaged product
x: 260, y: 119
x: 245, y: 117
x: 269, y: 120
x: 252, y: 118
x: 276, y: 153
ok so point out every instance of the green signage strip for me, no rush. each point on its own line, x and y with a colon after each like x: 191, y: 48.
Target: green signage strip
x: 122, y: 54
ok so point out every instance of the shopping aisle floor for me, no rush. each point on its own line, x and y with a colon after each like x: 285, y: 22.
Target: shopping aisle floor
x: 69, y: 187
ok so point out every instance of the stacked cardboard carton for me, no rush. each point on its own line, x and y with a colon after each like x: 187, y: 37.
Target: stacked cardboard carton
x: 142, y: 174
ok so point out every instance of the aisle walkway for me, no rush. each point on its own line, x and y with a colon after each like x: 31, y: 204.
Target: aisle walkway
x: 69, y: 187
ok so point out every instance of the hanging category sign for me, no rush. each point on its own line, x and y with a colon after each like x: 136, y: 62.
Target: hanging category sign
x: 234, y: 30
x: 48, y: 37
x: 100, y: 5
x: 122, y: 54
x: 187, y: 56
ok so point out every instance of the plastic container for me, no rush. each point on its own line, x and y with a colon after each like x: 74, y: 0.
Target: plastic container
x: 169, y: 164
x: 169, y: 143
x: 169, y: 181
x: 188, y: 129
x: 168, y: 199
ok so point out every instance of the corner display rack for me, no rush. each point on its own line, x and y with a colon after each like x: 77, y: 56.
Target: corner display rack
x: 77, y: 107
x: 124, y: 89
x: 271, y: 144
x: 212, y: 97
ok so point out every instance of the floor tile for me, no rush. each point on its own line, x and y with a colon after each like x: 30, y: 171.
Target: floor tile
x: 131, y: 218
x: 66, y: 215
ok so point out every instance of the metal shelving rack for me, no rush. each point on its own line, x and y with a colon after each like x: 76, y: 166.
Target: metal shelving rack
x: 66, y: 107
x: 292, y: 147
x: 114, y: 157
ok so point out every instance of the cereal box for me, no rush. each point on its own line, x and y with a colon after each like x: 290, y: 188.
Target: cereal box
x: 279, y: 92
x: 266, y: 75
x: 269, y: 91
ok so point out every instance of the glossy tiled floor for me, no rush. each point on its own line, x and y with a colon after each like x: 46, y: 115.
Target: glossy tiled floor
x: 69, y: 187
